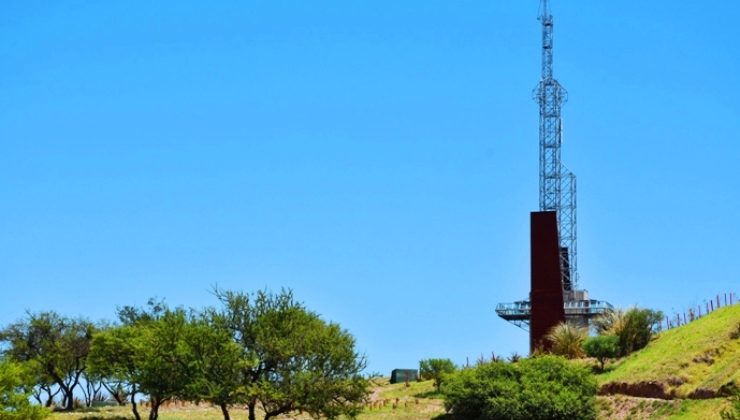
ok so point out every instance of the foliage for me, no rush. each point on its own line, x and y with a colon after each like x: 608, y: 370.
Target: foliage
x: 116, y: 354
x: 639, y: 326
x: 436, y: 369
x: 56, y: 345
x: 602, y: 347
x: 15, y: 382
x: 634, y: 327
x: 515, y: 357
x: 567, y: 340
x: 263, y: 350
x: 546, y: 387
x: 698, y: 355
x: 610, y: 322
x: 148, y: 353
x: 293, y: 359
x: 216, y: 363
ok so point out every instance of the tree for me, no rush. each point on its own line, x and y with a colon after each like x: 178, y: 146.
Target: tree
x: 148, y: 352
x: 638, y: 328
x: 567, y: 340
x: 293, y: 360
x: 545, y: 387
x: 217, y: 364
x: 15, y: 383
x: 436, y: 369
x: 56, y: 345
x: 602, y: 347
x: 116, y: 354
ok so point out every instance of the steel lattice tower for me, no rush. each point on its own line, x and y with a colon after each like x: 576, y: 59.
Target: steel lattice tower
x: 557, y: 183
x: 554, y: 294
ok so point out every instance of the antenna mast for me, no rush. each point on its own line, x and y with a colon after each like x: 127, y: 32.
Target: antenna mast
x: 557, y: 183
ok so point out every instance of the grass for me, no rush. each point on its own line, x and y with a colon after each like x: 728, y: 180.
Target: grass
x: 622, y: 407
x: 611, y: 407
x: 701, y: 354
x: 417, y: 401
x: 407, y: 408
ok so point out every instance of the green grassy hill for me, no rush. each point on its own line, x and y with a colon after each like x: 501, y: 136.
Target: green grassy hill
x: 702, y: 356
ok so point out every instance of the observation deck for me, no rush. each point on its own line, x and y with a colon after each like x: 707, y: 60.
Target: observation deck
x: 578, y: 309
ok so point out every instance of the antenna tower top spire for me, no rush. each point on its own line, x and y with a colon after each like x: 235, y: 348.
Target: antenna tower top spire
x: 544, y: 9
x: 557, y: 183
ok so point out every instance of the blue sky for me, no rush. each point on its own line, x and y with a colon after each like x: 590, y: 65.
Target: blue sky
x: 379, y: 158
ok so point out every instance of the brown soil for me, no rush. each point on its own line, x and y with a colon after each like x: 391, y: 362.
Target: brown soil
x: 645, y: 389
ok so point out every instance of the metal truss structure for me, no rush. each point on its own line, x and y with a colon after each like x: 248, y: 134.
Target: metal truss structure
x: 557, y: 183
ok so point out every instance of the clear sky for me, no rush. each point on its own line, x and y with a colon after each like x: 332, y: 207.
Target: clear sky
x: 377, y: 157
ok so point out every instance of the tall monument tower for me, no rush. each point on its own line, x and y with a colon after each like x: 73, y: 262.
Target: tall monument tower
x: 557, y: 183
x: 554, y: 295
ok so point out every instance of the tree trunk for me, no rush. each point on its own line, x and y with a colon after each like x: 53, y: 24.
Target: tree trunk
x: 133, y: 404
x: 68, y: 393
x: 69, y: 399
x: 251, y: 406
x: 154, y: 409
x: 118, y: 395
x: 225, y: 411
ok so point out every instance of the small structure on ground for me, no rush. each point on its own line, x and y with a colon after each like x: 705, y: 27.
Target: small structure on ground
x: 404, y: 375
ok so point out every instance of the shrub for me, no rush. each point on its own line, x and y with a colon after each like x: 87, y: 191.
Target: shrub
x: 14, y: 404
x: 546, y: 387
x: 610, y: 322
x: 436, y: 369
x: 637, y: 329
x: 602, y: 347
x: 567, y: 340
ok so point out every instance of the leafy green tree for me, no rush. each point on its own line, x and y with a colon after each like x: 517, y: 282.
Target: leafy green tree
x: 57, y: 346
x: 216, y: 363
x: 116, y: 354
x: 148, y: 353
x: 638, y: 328
x: 293, y: 360
x: 436, y: 369
x: 546, y: 387
x: 567, y: 340
x: 602, y: 347
x: 15, y: 383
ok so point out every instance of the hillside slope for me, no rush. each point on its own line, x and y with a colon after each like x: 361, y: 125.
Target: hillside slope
x: 697, y: 359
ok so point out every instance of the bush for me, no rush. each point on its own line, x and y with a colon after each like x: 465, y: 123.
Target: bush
x: 637, y: 329
x: 602, y: 347
x: 567, y: 340
x: 14, y: 404
x: 436, y: 369
x: 546, y: 387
